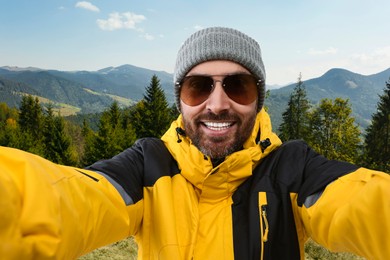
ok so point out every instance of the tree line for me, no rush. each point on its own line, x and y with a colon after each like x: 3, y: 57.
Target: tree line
x: 40, y: 130
x: 328, y: 127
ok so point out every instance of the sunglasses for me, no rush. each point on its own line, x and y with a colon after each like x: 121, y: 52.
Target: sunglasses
x: 241, y: 88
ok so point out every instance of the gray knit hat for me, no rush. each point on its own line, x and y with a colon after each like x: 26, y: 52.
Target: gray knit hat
x: 219, y: 43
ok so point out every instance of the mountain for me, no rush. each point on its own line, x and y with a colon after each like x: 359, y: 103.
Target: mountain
x: 362, y: 91
x: 57, y: 90
x: 85, y: 91
x: 127, y: 80
x: 94, y: 91
x: 9, y: 91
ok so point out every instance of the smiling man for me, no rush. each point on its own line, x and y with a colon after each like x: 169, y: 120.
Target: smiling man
x: 218, y: 185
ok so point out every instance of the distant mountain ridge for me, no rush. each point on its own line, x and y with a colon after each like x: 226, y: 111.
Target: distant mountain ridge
x: 361, y: 91
x: 94, y: 91
x: 91, y: 91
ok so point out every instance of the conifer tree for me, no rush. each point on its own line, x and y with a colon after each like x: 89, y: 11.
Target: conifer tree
x: 334, y: 132
x: 152, y: 116
x: 30, y: 116
x: 377, y: 137
x: 91, y: 152
x: 56, y: 142
x: 30, y: 125
x: 174, y: 112
x: 114, y: 114
x: 295, y: 118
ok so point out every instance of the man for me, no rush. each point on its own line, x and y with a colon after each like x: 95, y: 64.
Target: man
x: 218, y: 185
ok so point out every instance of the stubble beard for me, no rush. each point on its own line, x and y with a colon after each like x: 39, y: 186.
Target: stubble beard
x: 222, y: 146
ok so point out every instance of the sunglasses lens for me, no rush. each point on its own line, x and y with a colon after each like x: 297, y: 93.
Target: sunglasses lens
x: 195, y: 89
x: 241, y: 88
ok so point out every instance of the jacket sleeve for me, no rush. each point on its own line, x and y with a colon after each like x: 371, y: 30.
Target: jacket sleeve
x: 353, y: 215
x: 49, y: 211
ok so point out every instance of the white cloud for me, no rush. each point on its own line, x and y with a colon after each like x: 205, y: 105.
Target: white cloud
x: 88, y: 6
x: 148, y: 36
x: 118, y: 21
x: 370, y: 62
x: 198, y: 27
x: 377, y: 56
x: 330, y: 50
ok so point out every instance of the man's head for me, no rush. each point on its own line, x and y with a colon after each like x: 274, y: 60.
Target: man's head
x: 220, y: 88
x: 220, y: 43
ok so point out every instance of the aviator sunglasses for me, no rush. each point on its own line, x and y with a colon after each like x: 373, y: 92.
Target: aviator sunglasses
x: 241, y: 88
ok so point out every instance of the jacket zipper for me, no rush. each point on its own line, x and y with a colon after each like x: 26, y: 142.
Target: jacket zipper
x: 264, y: 228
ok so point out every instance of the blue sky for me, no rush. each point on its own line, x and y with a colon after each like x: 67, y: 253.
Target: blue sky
x: 307, y: 36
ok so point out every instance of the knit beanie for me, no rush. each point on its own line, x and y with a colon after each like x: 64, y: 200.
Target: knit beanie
x: 219, y: 43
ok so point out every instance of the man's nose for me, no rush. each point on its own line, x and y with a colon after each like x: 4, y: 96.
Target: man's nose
x: 218, y: 100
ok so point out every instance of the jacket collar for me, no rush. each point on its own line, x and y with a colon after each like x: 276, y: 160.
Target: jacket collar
x: 224, y: 179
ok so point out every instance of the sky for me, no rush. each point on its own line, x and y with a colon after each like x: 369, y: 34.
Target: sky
x: 306, y: 37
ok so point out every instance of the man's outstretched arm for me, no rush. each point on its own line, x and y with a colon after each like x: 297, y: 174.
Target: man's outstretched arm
x: 49, y: 211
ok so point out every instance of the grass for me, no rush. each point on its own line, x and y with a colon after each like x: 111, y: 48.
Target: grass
x: 124, y: 249
x: 313, y: 251
x: 123, y: 102
x: 127, y: 249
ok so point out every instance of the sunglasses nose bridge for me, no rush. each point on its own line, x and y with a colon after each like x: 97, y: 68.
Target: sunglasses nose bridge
x: 215, y: 81
x: 218, y: 93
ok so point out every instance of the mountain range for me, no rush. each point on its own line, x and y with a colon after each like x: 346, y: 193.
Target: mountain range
x: 80, y: 91
x: 361, y: 91
x: 93, y: 91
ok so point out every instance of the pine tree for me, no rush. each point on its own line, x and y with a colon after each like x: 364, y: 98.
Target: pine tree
x: 295, y: 118
x: 30, y: 125
x: 377, y: 137
x: 56, y: 142
x: 174, y: 112
x: 334, y: 132
x: 152, y: 115
x: 90, y: 153
x: 114, y: 114
x: 30, y: 116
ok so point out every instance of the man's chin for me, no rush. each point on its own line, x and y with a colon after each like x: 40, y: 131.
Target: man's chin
x: 216, y: 149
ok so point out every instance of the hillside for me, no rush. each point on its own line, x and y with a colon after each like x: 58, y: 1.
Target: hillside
x: 127, y: 81
x: 53, y: 89
x: 10, y: 91
x: 362, y: 91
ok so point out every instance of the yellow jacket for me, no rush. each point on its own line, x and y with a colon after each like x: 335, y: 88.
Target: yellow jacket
x: 259, y: 203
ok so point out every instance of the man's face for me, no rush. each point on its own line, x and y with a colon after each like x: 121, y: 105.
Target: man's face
x: 218, y: 126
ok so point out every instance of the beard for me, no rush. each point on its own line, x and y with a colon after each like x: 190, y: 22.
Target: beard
x: 218, y: 147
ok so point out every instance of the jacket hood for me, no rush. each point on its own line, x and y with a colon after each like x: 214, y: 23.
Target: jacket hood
x: 224, y: 179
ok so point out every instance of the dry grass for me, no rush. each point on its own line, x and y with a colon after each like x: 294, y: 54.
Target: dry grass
x: 313, y: 251
x: 124, y: 249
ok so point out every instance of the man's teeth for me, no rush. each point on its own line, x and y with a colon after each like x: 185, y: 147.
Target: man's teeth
x: 217, y: 126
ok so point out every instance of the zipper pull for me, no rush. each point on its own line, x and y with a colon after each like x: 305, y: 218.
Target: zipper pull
x: 266, y: 228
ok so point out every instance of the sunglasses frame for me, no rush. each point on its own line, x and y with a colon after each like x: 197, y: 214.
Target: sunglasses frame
x: 180, y: 85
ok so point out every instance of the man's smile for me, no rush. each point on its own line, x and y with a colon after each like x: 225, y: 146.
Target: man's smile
x: 218, y: 126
